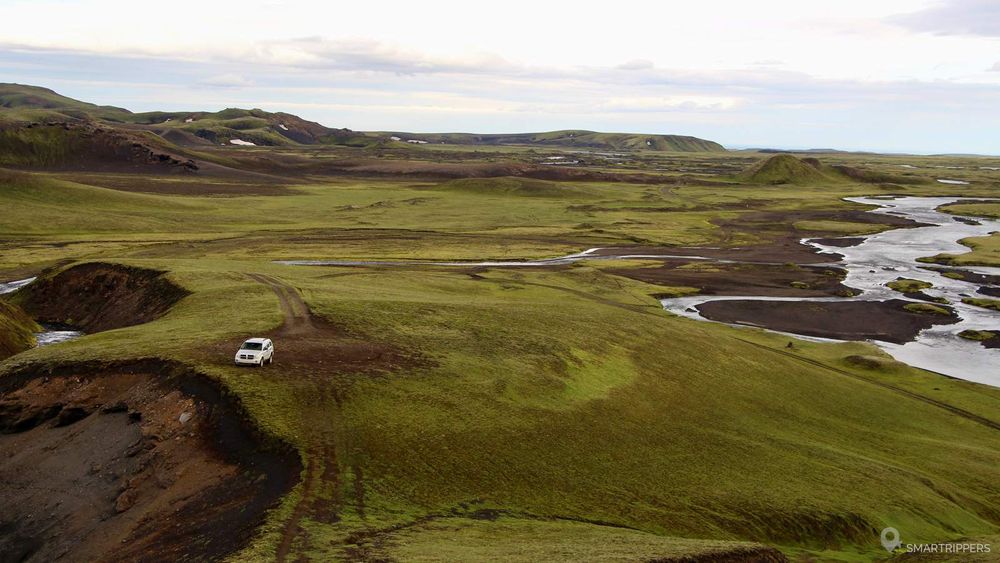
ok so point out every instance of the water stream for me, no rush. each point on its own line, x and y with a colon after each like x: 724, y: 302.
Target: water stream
x: 51, y: 334
x: 886, y: 256
x: 879, y: 259
x: 870, y: 265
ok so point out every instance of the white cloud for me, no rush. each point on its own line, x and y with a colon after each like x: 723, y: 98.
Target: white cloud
x: 227, y: 80
x: 954, y: 17
x: 636, y: 64
x: 655, y: 104
x: 738, y: 71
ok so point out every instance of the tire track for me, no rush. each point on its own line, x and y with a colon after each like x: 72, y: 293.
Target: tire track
x: 298, y: 322
x: 298, y: 318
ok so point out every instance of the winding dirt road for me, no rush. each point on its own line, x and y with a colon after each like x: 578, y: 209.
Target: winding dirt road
x: 322, y: 360
x: 321, y: 461
x: 298, y: 318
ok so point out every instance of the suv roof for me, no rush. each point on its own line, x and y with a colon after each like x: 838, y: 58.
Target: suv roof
x: 257, y: 340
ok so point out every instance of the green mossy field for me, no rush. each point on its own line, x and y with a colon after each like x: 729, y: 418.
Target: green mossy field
x: 537, y: 413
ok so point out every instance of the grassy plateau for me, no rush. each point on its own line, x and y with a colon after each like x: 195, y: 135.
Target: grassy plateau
x: 539, y: 413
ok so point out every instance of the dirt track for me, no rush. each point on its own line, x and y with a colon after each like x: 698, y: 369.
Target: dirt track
x: 298, y: 318
x: 315, y: 348
x: 321, y: 463
x: 312, y: 349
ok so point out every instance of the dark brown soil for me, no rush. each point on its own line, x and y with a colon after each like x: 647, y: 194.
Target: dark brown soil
x: 436, y: 170
x: 770, y: 219
x: 990, y: 342
x: 991, y: 291
x: 924, y: 297
x: 745, y: 279
x: 778, y: 227
x: 839, y: 242
x: 98, y: 296
x: 91, y: 147
x: 993, y: 342
x: 887, y: 321
x: 735, y: 555
x: 965, y: 275
x: 784, y: 250
x: 184, y: 185
x: 128, y: 462
x: 311, y: 346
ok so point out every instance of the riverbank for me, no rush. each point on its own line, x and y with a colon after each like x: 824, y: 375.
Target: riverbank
x: 904, y: 325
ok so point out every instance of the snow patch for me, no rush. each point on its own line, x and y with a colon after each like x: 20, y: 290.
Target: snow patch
x: 955, y: 182
x: 243, y: 143
x: 283, y: 128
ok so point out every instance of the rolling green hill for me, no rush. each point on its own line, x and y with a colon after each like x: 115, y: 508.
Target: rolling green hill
x: 552, y: 413
x: 86, y: 145
x: 571, y: 138
x: 34, y: 103
x: 17, y: 330
x: 788, y: 169
x: 20, y: 103
x: 24, y: 104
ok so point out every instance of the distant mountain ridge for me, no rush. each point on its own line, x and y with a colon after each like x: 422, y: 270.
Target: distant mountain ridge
x: 569, y: 138
x: 22, y: 104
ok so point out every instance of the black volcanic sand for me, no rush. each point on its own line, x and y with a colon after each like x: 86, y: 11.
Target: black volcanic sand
x: 924, y: 297
x: 993, y: 342
x: 839, y: 242
x: 965, y: 275
x: 887, y: 321
x: 784, y: 250
x: 779, y: 228
x: 745, y: 279
x: 991, y: 291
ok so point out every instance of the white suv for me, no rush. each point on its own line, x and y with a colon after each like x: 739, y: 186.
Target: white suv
x: 255, y: 352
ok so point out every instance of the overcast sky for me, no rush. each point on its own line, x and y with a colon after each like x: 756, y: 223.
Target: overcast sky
x: 890, y: 75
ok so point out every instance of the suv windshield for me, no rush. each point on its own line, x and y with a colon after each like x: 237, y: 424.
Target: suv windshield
x: 251, y: 346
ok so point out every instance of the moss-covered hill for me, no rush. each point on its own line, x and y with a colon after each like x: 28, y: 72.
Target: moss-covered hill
x: 17, y: 330
x: 571, y: 138
x: 789, y: 169
x: 23, y: 103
